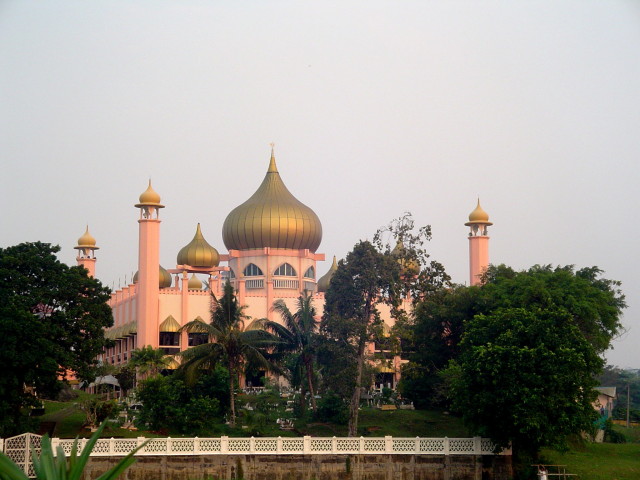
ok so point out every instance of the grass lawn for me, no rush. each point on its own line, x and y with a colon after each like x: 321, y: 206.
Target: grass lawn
x: 397, y: 423
x: 600, y: 461
x: 603, y: 461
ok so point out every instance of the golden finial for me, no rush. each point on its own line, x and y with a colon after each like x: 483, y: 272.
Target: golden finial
x: 272, y: 163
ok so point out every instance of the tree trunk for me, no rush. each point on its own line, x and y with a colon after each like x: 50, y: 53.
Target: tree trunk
x: 312, y: 391
x: 355, y: 398
x: 232, y: 400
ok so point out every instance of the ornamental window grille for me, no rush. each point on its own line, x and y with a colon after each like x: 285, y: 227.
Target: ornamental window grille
x: 196, y: 339
x: 310, y: 273
x: 170, y: 339
x: 285, y: 270
x: 252, y: 270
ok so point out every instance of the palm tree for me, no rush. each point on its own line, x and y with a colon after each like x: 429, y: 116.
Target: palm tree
x: 296, y: 334
x: 229, y: 342
x: 148, y: 360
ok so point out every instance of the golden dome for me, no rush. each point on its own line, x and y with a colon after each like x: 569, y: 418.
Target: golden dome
x: 272, y: 217
x: 150, y: 197
x: 194, y: 283
x: 198, y: 253
x: 325, y: 280
x: 408, y: 266
x: 86, y: 241
x: 164, y: 280
x: 478, y: 216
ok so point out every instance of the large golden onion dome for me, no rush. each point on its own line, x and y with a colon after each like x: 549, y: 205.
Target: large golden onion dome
x: 194, y: 283
x: 478, y: 216
x: 325, y: 280
x: 149, y: 197
x: 164, y: 279
x: 86, y: 241
x: 272, y: 217
x: 198, y: 253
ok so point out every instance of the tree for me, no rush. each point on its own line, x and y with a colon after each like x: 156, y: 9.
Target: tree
x: 297, y: 335
x: 594, y: 304
x: 525, y: 378
x: 375, y: 274
x: 52, y: 318
x: 230, y: 343
x: 148, y: 360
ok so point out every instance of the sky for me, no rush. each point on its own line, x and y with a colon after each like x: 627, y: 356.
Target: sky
x: 375, y: 107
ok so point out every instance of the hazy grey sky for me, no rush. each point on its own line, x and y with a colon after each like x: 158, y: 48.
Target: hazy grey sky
x: 376, y: 108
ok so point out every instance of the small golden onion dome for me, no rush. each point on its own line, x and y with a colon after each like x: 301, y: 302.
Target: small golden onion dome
x: 164, y: 279
x: 325, y: 280
x: 150, y: 197
x: 194, y: 283
x: 272, y: 217
x: 408, y: 266
x: 478, y: 216
x: 86, y: 241
x: 198, y: 253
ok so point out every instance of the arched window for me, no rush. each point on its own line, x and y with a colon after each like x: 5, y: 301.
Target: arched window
x: 310, y: 273
x: 285, y: 270
x: 252, y: 270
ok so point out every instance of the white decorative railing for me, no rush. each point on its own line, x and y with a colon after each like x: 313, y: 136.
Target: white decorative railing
x: 284, y: 446
x: 290, y: 284
x: 255, y: 283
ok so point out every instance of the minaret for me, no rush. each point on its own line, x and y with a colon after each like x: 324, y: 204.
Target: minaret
x: 478, y: 243
x: 87, y: 252
x: 148, y: 268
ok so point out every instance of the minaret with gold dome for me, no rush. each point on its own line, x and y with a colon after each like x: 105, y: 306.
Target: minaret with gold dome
x: 272, y: 240
x: 148, y: 268
x: 87, y: 252
x: 478, y: 243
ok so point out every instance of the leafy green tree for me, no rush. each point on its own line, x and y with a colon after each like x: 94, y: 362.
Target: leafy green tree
x: 594, y: 304
x: 525, y: 378
x: 148, y: 361
x: 351, y: 317
x: 373, y: 274
x: 169, y: 404
x: 126, y: 376
x: 230, y: 343
x: 51, y: 319
x: 297, y: 335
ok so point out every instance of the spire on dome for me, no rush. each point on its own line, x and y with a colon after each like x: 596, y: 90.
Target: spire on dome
x: 272, y: 163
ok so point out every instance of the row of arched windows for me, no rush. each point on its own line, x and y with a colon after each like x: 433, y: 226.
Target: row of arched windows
x: 284, y: 270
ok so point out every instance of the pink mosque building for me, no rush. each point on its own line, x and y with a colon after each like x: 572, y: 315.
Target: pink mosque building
x: 272, y: 241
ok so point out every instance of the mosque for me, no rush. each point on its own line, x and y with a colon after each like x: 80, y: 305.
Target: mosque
x: 272, y: 241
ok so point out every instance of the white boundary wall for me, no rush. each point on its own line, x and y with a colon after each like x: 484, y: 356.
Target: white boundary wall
x: 285, y: 446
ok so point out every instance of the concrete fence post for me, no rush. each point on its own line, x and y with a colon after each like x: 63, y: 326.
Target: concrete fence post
x: 334, y: 445
x: 388, y: 444
x: 252, y: 445
x: 169, y: 446
x: 279, y: 445
x: 306, y: 443
x: 477, y: 445
x: 361, y: 446
x: 111, y: 449
x: 224, y: 444
x: 417, y: 448
x: 140, y: 441
x: 446, y: 445
x: 196, y: 446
